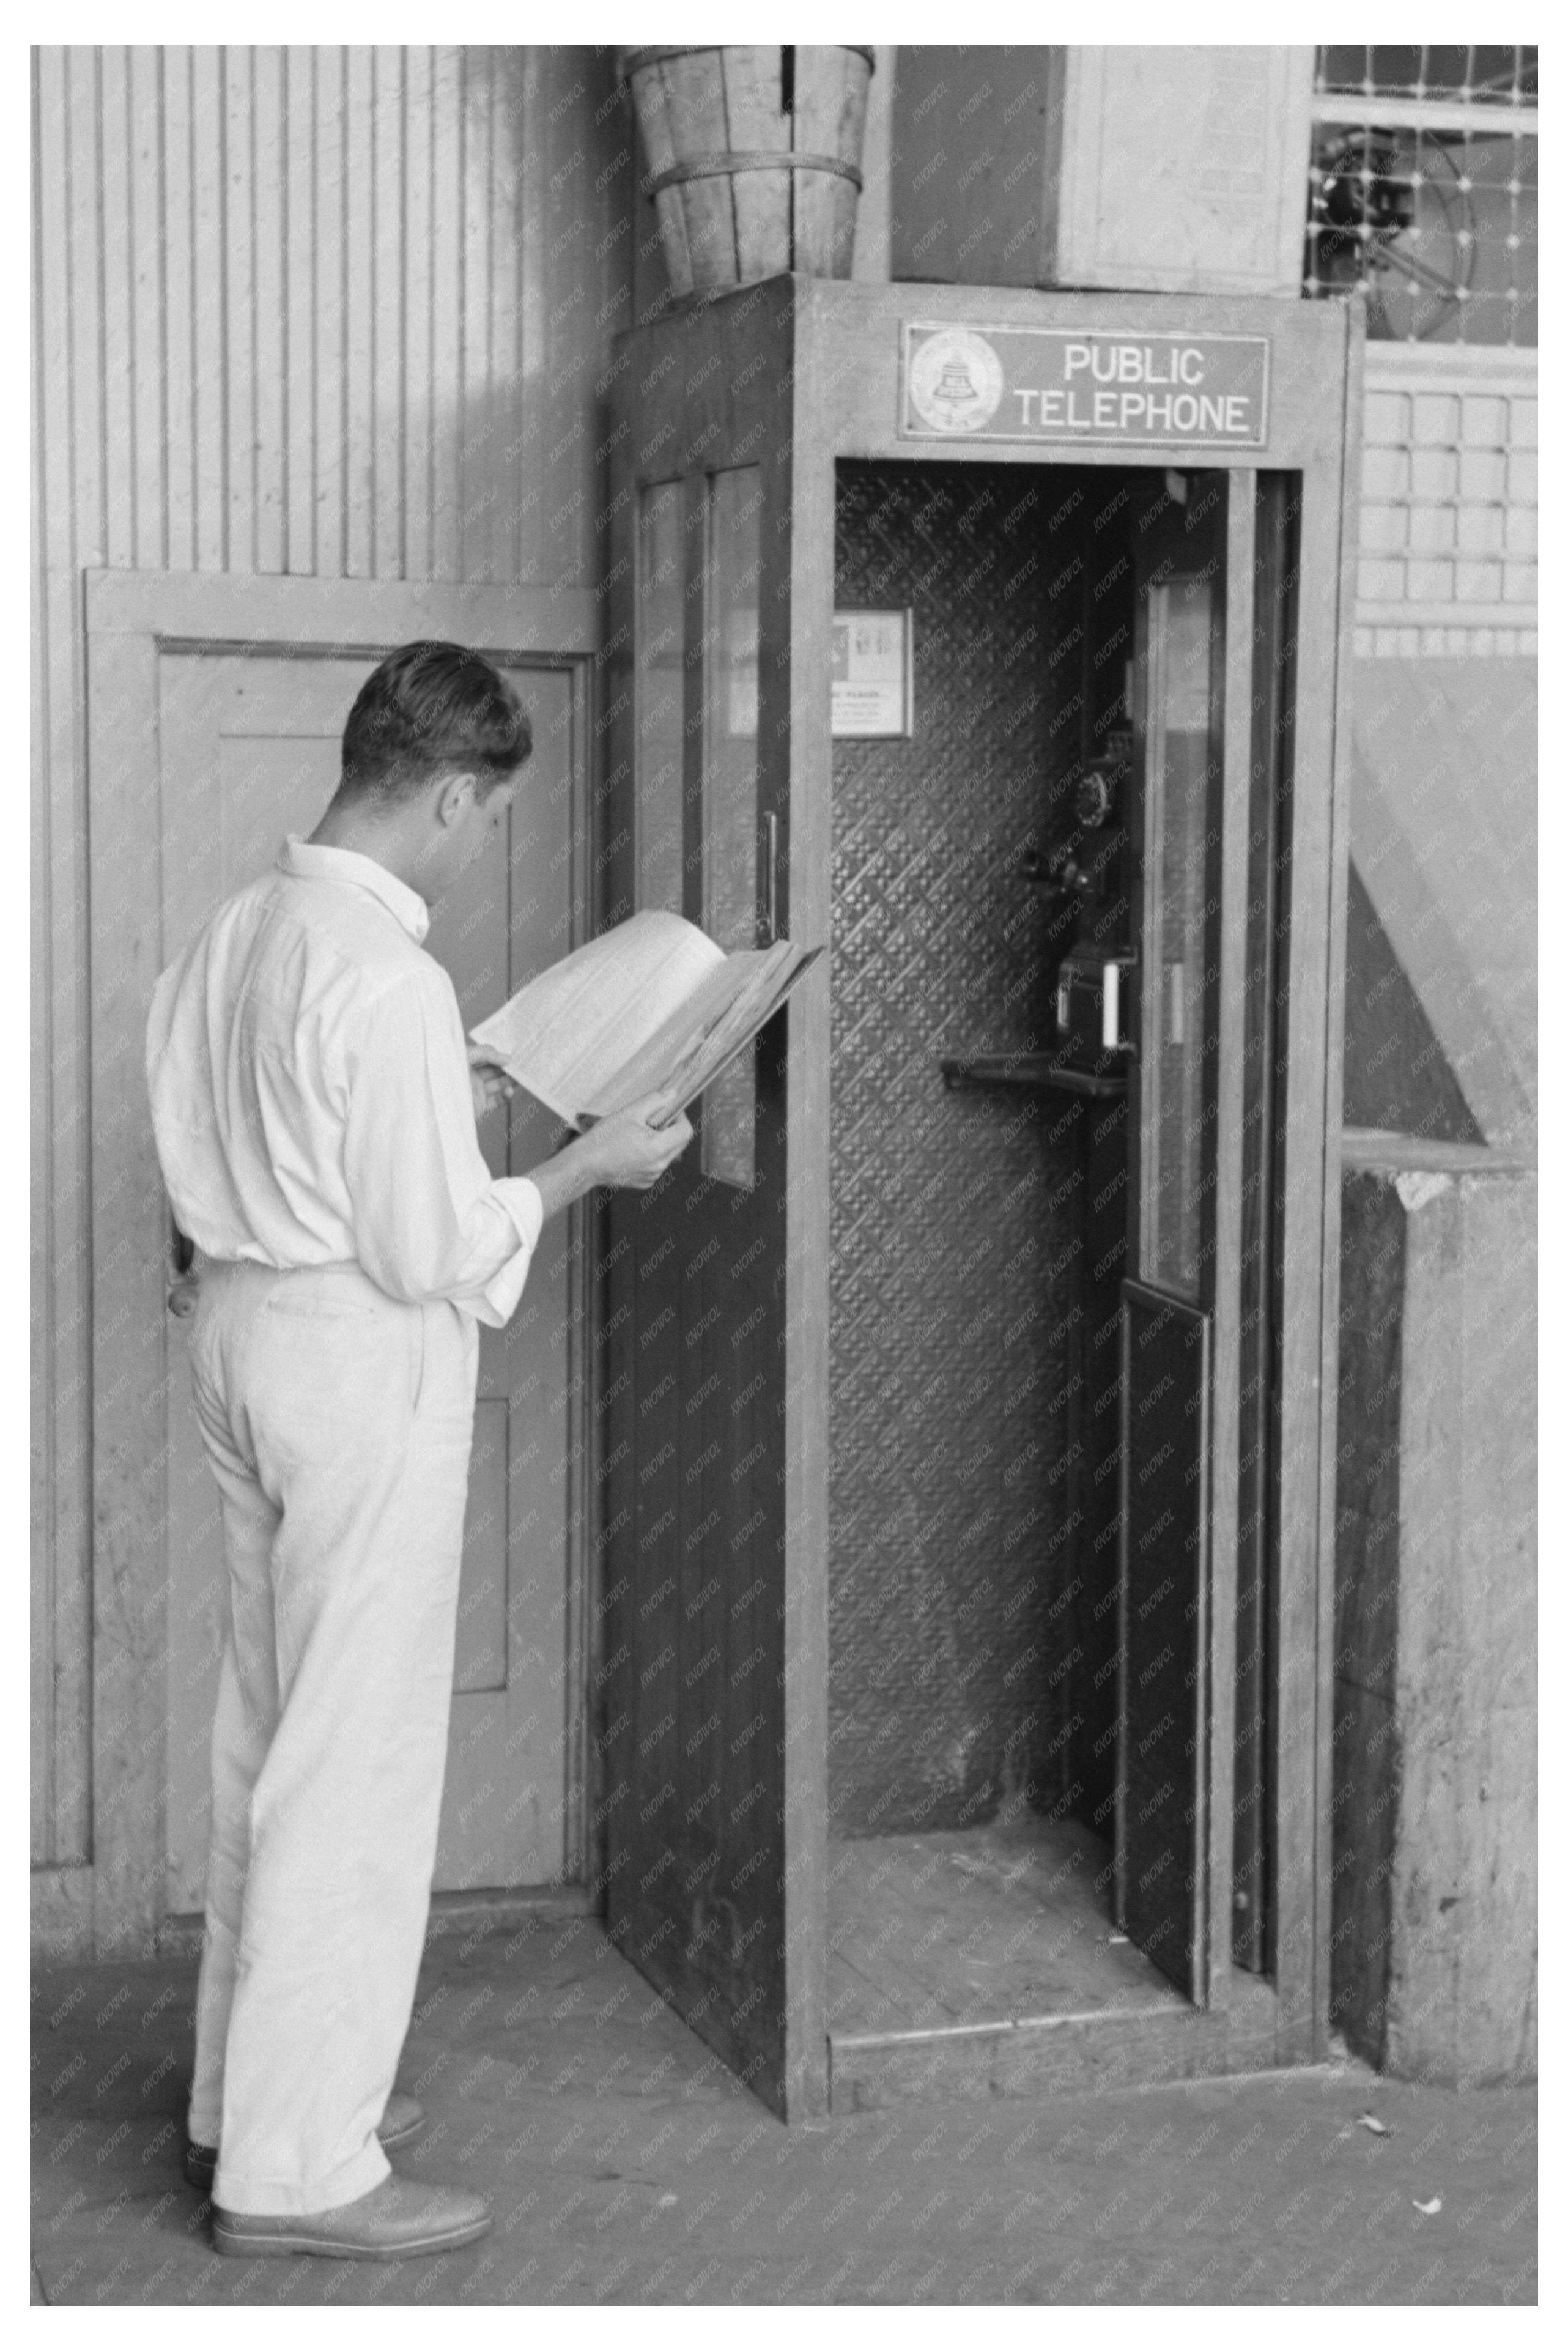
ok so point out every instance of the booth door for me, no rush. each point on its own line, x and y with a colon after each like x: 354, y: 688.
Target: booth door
x: 1164, y: 1779
x: 713, y: 1795
x: 248, y: 747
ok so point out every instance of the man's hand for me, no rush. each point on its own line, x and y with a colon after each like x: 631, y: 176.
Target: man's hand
x: 633, y: 1147
x: 628, y: 1149
x: 489, y: 1082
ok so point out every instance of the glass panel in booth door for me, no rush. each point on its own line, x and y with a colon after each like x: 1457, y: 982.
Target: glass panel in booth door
x: 660, y: 674
x: 1181, y: 762
x: 729, y: 788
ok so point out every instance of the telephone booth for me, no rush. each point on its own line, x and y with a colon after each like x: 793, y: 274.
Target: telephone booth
x: 965, y: 1395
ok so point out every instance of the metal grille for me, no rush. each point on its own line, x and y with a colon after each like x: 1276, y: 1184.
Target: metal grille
x: 1423, y: 190
x: 1448, y: 508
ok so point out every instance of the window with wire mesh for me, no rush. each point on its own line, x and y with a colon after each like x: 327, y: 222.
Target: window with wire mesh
x: 1423, y: 190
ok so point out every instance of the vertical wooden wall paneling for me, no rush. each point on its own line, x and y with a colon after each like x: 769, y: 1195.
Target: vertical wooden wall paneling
x: 474, y: 510
x: 531, y: 472
x: 514, y: 148
x: 175, y: 233
x: 388, y: 176
x: 148, y: 306
x: 568, y: 413
x: 280, y: 294
x: 239, y: 307
x: 358, y: 315
x: 506, y: 352
x: 270, y: 331
x: 492, y: 180
x: 419, y: 356
x: 208, y: 363
x: 299, y: 309
x: 119, y: 418
x: 446, y: 311
x: 331, y: 370
x: 83, y: 192
x: 603, y: 266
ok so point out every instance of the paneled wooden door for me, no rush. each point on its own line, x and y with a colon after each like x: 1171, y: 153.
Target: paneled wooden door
x: 713, y: 1738
x: 248, y: 752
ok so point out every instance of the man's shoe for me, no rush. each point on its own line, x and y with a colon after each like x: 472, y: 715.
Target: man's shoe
x: 400, y: 2217
x: 402, y: 2117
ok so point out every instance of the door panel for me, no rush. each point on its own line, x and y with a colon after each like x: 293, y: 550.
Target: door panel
x: 1163, y: 1772
x: 249, y: 752
x: 696, y: 1371
x: 1162, y: 1795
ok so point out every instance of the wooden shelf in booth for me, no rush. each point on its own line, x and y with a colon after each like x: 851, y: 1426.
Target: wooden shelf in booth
x: 960, y: 1070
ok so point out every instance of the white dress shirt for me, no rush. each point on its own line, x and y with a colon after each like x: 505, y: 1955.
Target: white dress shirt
x: 309, y: 1077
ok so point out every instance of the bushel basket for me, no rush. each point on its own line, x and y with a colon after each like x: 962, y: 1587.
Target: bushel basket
x: 753, y: 157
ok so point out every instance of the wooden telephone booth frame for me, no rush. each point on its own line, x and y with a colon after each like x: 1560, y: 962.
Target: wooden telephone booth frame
x: 789, y: 377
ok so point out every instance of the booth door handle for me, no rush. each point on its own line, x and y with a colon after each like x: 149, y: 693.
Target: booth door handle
x: 1116, y: 1009
x: 770, y: 877
x: 1112, y: 1036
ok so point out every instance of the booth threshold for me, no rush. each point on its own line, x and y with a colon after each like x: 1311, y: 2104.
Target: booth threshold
x: 983, y: 1962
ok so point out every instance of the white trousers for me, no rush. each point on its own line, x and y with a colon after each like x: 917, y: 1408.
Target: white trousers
x: 339, y: 1423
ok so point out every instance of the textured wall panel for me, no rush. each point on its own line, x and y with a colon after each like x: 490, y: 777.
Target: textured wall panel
x: 953, y: 1215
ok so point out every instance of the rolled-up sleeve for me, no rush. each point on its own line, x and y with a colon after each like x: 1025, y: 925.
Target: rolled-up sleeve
x: 430, y: 1220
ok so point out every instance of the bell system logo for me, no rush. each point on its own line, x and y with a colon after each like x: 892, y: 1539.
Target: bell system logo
x: 955, y: 381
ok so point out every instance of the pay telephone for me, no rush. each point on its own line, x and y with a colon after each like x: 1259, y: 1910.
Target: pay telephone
x: 1096, y: 977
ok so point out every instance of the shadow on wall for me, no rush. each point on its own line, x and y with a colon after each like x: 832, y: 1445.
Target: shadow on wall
x: 1396, y: 1074
x: 1440, y: 985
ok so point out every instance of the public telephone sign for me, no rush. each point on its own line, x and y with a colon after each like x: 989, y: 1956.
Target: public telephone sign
x: 1053, y: 384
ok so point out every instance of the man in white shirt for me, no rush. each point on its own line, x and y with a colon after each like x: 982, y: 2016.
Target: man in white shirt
x: 314, y: 1103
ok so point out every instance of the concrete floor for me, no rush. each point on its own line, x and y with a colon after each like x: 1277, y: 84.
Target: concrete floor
x: 970, y: 1926
x: 625, y: 2165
